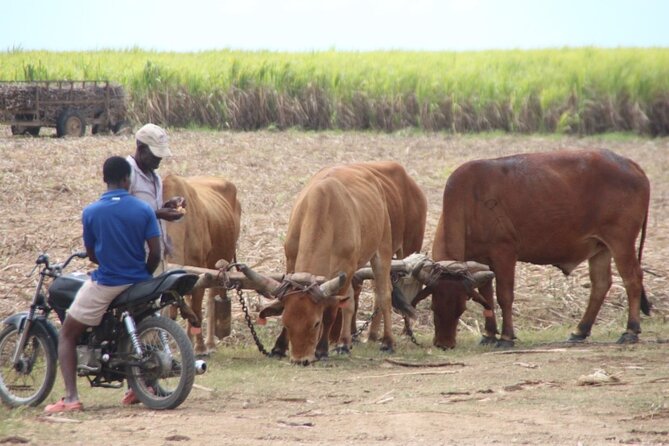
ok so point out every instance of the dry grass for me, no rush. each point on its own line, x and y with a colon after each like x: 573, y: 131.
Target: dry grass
x: 313, y: 108
x: 47, y: 181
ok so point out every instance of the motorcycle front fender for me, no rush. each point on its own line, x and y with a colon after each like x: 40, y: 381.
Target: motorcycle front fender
x: 18, y: 320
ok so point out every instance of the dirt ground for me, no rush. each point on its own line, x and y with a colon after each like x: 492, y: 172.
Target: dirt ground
x: 541, y: 392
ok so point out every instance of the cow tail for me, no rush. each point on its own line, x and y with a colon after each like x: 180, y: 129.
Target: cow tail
x: 645, y: 303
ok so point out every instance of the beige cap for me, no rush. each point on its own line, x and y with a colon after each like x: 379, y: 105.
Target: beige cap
x: 156, y: 138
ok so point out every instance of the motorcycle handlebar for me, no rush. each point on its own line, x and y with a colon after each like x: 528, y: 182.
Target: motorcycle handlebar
x: 43, y: 259
x: 80, y: 255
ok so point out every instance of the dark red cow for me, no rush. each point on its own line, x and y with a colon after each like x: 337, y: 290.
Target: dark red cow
x: 556, y: 208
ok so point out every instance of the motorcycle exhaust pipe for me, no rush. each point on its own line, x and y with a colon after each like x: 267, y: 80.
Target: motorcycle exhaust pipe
x: 200, y: 367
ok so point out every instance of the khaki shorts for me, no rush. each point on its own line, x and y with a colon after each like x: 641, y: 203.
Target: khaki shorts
x: 92, y: 301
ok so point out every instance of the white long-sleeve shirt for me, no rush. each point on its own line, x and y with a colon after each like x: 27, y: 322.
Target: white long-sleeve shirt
x: 149, y: 188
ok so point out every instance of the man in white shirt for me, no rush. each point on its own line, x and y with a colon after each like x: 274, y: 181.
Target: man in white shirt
x: 146, y: 184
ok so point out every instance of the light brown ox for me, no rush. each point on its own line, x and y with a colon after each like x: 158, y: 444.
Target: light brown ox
x: 556, y: 208
x: 208, y: 232
x: 341, y: 221
x: 407, y: 209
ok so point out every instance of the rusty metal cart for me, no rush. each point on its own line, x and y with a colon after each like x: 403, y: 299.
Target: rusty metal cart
x: 69, y: 106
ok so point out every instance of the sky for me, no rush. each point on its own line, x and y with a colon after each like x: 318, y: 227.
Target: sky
x: 319, y: 25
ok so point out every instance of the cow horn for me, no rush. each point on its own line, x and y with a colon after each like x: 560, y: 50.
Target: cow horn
x: 422, y: 271
x: 474, y: 267
x: 413, y: 261
x: 363, y: 274
x: 305, y: 278
x: 265, y: 284
x: 482, y: 277
x: 481, y: 273
x: 398, y: 266
x: 332, y: 286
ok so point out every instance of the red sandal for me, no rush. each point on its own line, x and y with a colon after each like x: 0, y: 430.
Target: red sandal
x: 130, y: 398
x: 61, y: 406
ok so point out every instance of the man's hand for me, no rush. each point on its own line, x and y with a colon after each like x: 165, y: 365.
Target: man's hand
x: 173, y: 209
x: 169, y: 214
x: 175, y: 203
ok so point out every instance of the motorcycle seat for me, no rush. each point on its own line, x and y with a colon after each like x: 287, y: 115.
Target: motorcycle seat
x: 177, y: 280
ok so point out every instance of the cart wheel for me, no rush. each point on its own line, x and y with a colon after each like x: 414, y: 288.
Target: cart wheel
x: 70, y: 123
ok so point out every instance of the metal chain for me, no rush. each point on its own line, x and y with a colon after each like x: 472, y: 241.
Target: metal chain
x: 364, y: 326
x: 249, y: 322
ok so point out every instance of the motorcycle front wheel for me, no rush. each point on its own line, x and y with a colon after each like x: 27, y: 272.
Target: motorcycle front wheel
x: 28, y: 381
x: 167, y: 371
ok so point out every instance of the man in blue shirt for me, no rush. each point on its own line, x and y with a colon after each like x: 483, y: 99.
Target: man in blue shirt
x: 116, y: 229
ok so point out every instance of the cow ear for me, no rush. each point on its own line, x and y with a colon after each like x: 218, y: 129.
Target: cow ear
x: 273, y: 309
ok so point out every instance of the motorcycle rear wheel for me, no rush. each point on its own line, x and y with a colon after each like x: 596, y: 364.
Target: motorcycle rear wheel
x: 30, y: 381
x: 166, y: 378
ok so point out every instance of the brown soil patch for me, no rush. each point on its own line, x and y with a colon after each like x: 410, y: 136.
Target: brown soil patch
x: 494, y: 398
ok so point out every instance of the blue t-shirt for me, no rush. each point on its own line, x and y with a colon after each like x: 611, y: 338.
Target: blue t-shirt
x: 116, y: 227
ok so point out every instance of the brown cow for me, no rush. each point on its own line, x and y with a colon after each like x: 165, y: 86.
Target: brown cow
x: 558, y: 208
x: 208, y: 232
x: 339, y: 223
x: 407, y: 208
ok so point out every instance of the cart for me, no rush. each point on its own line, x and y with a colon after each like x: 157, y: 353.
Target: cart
x: 69, y: 106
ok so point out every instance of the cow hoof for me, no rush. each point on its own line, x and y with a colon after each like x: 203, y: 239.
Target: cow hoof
x: 628, y: 338
x: 276, y: 353
x: 343, y: 350
x: 322, y: 356
x: 504, y: 343
x: 577, y: 338
x: 488, y: 340
x: 387, y: 348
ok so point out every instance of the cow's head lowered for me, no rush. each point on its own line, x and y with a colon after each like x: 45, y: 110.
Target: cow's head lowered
x: 451, y: 284
x: 301, y: 300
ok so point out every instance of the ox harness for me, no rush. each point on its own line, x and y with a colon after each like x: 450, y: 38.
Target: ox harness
x: 288, y: 287
x: 439, y: 272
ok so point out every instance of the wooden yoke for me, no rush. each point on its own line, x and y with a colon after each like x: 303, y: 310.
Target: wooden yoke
x: 211, y: 278
x: 404, y: 266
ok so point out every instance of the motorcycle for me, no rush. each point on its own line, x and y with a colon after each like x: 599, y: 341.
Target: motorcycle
x: 133, y: 342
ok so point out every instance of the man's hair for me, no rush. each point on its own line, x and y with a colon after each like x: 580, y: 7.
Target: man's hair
x: 115, y: 169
